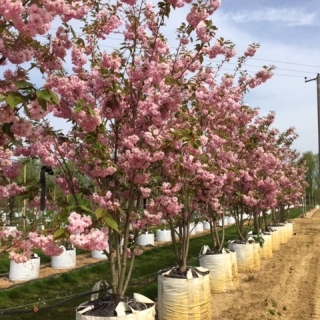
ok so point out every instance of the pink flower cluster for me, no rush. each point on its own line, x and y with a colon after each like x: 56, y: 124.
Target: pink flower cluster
x: 78, y: 223
x: 6, y: 114
x: 9, y: 233
x: 64, y: 184
x: 95, y: 239
x: 36, y: 111
x: 105, y: 201
x: 88, y: 122
x: 11, y: 190
x: 202, y: 32
x: 12, y: 171
x: 21, y: 128
x: 196, y: 15
x: 250, y: 52
x: 20, y: 248
x: 46, y: 243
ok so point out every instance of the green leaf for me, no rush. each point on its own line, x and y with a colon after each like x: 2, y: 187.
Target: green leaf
x: 78, y: 108
x: 2, y: 98
x: 59, y: 233
x: 90, y: 111
x: 85, y: 209
x: 108, y: 220
x: 12, y: 100
x: 54, y: 97
x: 100, y: 213
x: 44, y: 94
x: 72, y: 31
x: 22, y: 84
x: 6, y: 128
x: 43, y: 104
x: 48, y: 95
x: 196, y: 144
x: 65, y: 212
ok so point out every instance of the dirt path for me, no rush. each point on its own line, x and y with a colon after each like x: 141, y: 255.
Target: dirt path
x: 287, y: 286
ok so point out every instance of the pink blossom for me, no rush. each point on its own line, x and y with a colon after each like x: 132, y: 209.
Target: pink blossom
x: 250, y: 52
x: 94, y: 240
x: 145, y: 192
x: 78, y: 223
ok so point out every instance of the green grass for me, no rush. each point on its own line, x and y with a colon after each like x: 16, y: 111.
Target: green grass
x: 37, y: 293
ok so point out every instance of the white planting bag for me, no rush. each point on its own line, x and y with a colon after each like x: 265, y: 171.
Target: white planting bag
x: 26, y: 270
x: 245, y: 256
x: 185, y: 299
x: 289, y: 226
x: 256, y: 256
x: 275, y: 240
x: 282, y: 233
x: 266, y: 250
x: 223, y: 271
x: 67, y: 259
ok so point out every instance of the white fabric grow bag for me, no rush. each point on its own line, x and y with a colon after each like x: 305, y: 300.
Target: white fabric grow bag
x: 231, y: 220
x: 163, y: 235
x: 234, y: 270
x: 275, y: 240
x: 224, y: 274
x: 145, y: 239
x: 26, y: 270
x: 206, y: 225
x: 184, y: 299
x: 266, y: 250
x: 121, y: 309
x: 289, y: 226
x: 67, y: 259
x: 192, y: 230
x: 256, y: 256
x: 98, y: 254
x: 282, y: 233
x: 244, y: 254
x: 199, y: 227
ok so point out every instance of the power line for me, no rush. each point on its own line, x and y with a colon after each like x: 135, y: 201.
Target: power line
x: 267, y: 60
x: 275, y: 74
x: 293, y: 63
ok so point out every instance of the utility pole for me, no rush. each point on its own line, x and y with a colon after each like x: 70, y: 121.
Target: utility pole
x: 318, y: 103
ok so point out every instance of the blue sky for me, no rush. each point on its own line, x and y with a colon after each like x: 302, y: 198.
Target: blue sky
x: 289, y: 35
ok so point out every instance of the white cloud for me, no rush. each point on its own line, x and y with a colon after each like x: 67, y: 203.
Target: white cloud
x: 288, y: 16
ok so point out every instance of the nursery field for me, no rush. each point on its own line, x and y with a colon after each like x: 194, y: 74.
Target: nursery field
x: 286, y: 287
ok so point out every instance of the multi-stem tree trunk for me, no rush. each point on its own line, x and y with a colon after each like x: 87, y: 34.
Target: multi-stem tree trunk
x: 256, y: 224
x: 216, y: 236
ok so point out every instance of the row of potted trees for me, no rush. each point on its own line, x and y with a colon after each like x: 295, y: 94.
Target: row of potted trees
x: 67, y: 258
x: 218, y: 271
x: 152, y: 133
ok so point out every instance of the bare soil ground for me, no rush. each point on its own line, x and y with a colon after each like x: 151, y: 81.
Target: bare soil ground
x: 287, y: 286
